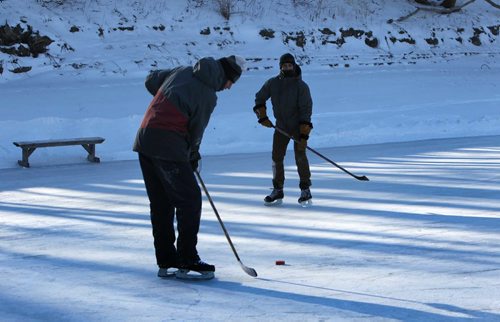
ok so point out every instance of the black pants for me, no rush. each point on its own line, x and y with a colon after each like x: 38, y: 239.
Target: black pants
x: 173, y: 191
x: 280, y: 143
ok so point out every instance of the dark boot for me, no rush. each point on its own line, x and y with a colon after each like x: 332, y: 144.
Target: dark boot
x: 276, y: 197
x: 305, y: 197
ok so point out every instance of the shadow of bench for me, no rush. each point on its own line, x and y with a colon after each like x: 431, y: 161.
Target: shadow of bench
x: 29, y: 147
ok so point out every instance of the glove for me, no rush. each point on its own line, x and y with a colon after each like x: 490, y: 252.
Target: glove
x: 260, y: 111
x: 266, y: 122
x: 194, y: 160
x: 194, y: 164
x: 304, y: 129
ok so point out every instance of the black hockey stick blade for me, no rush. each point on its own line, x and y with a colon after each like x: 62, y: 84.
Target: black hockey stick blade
x: 362, y: 178
x: 250, y: 271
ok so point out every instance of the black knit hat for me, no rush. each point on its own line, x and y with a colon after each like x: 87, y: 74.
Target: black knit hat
x: 232, y: 66
x: 287, y: 58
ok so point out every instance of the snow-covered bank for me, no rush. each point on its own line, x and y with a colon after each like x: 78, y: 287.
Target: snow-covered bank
x: 123, y: 38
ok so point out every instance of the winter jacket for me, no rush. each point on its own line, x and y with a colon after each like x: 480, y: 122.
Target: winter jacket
x: 184, y: 99
x: 290, y: 98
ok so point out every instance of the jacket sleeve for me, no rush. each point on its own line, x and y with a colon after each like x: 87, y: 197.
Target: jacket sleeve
x: 155, y: 79
x: 198, y: 121
x: 305, y: 103
x: 263, y: 94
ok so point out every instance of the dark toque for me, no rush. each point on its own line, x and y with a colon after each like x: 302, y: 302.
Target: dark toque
x: 232, y: 66
x: 287, y: 58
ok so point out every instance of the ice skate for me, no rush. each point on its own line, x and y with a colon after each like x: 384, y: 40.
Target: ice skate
x: 197, y: 270
x: 305, y: 199
x: 275, y: 198
x: 167, y: 272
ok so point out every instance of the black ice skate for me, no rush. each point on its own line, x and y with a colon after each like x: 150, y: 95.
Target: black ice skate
x: 305, y: 199
x: 275, y: 198
x: 197, y: 270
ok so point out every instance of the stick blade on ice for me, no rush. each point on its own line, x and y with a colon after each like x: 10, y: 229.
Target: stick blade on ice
x: 250, y: 271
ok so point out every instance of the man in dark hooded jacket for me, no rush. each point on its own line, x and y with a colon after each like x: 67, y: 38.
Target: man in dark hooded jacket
x: 168, y: 143
x: 292, y: 109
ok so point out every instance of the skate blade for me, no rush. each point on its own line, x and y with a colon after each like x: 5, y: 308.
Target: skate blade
x: 167, y: 272
x: 276, y: 202
x: 185, y: 274
x: 306, y: 204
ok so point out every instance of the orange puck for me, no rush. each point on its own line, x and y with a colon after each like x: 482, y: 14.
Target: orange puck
x: 280, y: 262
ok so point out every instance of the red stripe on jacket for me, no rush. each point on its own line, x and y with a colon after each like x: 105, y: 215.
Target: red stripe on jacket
x: 161, y: 114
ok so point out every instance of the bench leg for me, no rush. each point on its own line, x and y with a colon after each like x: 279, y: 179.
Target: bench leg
x: 26, y: 154
x: 90, y: 148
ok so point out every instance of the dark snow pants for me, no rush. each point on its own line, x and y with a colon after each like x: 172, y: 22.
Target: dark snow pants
x: 173, y: 192
x: 280, y: 143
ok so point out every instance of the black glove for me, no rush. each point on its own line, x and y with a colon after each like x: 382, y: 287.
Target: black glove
x: 194, y: 164
x: 194, y: 160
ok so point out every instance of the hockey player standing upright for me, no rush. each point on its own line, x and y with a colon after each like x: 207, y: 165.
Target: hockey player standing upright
x: 292, y: 108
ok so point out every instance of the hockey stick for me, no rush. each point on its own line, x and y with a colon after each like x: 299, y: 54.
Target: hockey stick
x: 362, y: 178
x: 250, y: 271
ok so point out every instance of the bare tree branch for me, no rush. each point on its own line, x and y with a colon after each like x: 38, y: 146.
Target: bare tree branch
x: 444, y: 10
x: 427, y: 6
x: 493, y: 4
x: 435, y: 9
x: 408, y: 15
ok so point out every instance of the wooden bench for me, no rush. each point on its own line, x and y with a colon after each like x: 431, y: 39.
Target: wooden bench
x: 30, y: 146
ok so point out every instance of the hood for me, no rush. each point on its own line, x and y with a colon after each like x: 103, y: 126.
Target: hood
x: 209, y: 71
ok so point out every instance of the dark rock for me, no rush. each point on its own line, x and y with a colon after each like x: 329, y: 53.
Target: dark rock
x: 371, y: 42
x: 494, y: 29
x: 131, y: 28
x: 432, y: 41
x: 475, y: 40
x: 8, y: 50
x: 19, y: 70
x: 7, y: 36
x: 410, y: 41
x: 23, y: 51
x: 351, y: 32
x: 301, y: 40
x: 266, y: 33
x: 10, y: 36
x: 327, y: 31
x: 38, y: 45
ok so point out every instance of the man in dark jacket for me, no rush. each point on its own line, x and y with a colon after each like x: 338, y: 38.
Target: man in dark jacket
x: 168, y: 143
x: 292, y: 109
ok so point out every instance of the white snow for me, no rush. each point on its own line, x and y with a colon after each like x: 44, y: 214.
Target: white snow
x: 420, y: 241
